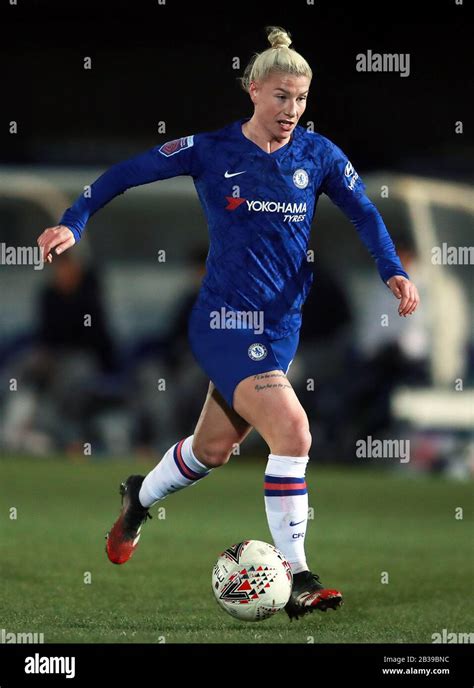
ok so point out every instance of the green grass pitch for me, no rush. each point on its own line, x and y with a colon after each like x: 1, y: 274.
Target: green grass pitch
x: 365, y: 523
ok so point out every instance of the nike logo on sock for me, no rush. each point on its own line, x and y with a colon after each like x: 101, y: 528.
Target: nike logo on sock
x: 296, y: 524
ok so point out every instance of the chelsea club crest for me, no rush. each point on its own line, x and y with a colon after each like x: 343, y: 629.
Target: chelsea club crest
x: 257, y: 352
x: 300, y: 179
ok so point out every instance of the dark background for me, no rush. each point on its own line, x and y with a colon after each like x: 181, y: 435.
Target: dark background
x: 173, y: 62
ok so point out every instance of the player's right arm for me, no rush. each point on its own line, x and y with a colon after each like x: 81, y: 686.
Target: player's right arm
x: 172, y: 159
x: 58, y: 239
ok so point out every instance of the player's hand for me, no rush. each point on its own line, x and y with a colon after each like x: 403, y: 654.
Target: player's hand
x: 55, y: 240
x: 406, y: 291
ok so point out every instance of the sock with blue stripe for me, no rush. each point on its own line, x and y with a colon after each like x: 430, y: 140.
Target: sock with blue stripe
x: 177, y: 469
x: 286, y: 505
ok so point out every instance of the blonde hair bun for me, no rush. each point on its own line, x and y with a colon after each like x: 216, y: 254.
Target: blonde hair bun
x: 279, y: 58
x: 278, y: 37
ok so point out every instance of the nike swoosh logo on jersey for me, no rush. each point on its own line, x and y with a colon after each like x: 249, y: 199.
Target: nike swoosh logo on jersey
x: 233, y: 174
x: 296, y: 524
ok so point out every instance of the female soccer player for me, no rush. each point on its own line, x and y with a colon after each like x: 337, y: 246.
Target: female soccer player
x: 258, y: 180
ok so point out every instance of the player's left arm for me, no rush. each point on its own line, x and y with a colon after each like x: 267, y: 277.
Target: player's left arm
x: 346, y: 190
x: 404, y: 289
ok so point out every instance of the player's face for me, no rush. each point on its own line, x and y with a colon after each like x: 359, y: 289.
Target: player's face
x: 279, y: 102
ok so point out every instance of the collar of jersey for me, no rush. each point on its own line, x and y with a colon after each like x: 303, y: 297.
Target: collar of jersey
x: 275, y: 154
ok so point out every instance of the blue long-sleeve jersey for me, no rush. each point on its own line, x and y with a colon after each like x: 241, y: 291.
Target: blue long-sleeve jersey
x: 259, y: 207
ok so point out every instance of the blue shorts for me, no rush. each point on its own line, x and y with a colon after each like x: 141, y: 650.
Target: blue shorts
x: 228, y: 356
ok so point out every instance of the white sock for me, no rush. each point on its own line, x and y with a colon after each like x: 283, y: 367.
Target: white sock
x: 177, y: 469
x: 286, y: 504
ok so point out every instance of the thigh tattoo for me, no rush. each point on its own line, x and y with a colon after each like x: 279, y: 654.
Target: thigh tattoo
x: 271, y: 381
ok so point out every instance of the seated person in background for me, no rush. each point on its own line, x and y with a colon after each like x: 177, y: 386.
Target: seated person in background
x: 71, y: 313
x: 61, y: 381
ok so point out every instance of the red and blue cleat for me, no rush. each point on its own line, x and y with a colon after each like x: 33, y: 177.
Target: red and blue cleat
x: 309, y: 594
x: 123, y: 538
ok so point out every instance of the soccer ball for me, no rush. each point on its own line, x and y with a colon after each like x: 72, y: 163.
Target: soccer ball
x: 252, y: 580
